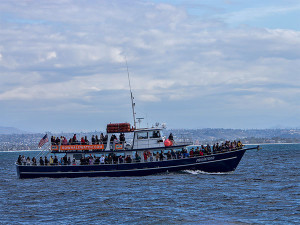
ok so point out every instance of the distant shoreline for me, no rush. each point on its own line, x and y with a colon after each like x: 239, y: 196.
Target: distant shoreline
x: 273, y: 144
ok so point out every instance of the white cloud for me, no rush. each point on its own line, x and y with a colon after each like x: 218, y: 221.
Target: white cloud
x: 75, y: 52
x: 51, y: 55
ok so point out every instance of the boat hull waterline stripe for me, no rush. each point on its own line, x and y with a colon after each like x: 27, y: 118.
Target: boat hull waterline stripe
x: 110, y: 171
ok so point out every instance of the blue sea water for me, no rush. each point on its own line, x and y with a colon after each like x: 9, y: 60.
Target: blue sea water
x: 263, y: 190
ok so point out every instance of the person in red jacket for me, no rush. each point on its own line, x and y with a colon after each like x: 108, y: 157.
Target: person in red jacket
x: 82, y: 141
x: 192, y: 153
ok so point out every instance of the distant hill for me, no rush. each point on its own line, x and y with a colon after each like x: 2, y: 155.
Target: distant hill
x: 11, y: 130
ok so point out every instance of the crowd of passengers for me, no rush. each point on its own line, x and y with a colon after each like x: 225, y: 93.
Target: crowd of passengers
x: 102, y: 139
x: 44, y: 161
x: 112, y: 158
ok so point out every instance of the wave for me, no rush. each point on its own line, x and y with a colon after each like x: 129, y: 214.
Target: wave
x: 195, y: 172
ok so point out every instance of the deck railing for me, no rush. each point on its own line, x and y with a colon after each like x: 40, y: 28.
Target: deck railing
x: 151, y: 158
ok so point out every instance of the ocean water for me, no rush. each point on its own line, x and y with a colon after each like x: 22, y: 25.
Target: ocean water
x: 263, y: 190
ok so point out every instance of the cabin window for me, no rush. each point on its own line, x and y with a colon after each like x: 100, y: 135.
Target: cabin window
x: 155, y: 134
x: 142, y: 135
x: 77, y: 156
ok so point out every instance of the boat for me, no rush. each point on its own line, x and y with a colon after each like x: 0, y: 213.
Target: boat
x: 148, y: 152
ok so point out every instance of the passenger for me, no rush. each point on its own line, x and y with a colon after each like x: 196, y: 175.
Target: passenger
x: 231, y: 146
x: 192, y: 153
x: 115, y: 141
x: 93, y: 140
x: 55, y: 160
x: 23, y: 160
x: 120, y: 159
x: 97, y: 139
x: 28, y: 161
x: 41, y: 161
x: 74, y: 140
x: 184, y: 153
x: 173, y: 154
x: 171, y: 137
x: 110, y: 159
x: 102, y: 159
x: 106, y: 160
x: 137, y: 157
x: 51, y: 160
x: 19, y: 161
x: 223, y: 147
x: 151, y: 157
x: 157, y: 156
x: 82, y: 161
x: 33, y: 161
x: 155, y: 134
x: 128, y: 159
x: 217, y: 147
x: 57, y: 141
x: 239, y: 145
x: 197, y: 152
x: 101, y: 138
x: 86, y: 140
x: 74, y: 162
x: 82, y: 141
x: 65, y: 159
x: 169, y: 155
x: 145, y: 156
x: 97, y: 161
x: 53, y: 140
x: 122, y: 137
x: 201, y: 153
x: 69, y: 161
x: 65, y: 141
x: 91, y: 161
x: 208, y: 149
x: 214, y: 148
x: 105, y: 139
x: 161, y: 156
x: 179, y: 155
x: 46, y: 161
x: 112, y: 138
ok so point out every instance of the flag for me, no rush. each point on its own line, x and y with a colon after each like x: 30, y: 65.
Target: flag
x: 43, y: 141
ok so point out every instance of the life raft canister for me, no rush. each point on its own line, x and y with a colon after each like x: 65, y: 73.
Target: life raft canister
x: 168, y: 143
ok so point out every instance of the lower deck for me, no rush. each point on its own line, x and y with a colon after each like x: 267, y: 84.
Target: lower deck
x: 218, y: 162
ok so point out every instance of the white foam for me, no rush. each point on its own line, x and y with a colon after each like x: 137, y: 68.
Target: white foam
x: 195, y: 172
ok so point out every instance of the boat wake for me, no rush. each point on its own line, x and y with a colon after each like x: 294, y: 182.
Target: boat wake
x: 195, y: 172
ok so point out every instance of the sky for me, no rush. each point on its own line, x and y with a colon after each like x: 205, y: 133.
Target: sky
x: 192, y: 64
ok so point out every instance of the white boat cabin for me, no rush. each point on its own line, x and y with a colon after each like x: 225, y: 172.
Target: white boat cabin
x: 142, y: 139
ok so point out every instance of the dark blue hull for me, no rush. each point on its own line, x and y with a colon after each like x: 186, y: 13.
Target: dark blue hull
x: 215, y: 163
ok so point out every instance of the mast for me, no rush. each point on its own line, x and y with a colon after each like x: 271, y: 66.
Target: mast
x: 132, y: 103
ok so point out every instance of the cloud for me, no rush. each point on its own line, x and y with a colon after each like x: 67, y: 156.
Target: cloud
x: 256, y: 13
x: 74, y: 52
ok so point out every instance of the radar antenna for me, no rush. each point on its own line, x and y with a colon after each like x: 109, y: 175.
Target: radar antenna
x: 132, y: 103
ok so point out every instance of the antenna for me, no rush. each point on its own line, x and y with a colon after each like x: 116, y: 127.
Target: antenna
x: 132, y: 103
x: 140, y: 120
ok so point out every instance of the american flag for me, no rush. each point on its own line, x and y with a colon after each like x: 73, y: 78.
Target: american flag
x: 43, y: 141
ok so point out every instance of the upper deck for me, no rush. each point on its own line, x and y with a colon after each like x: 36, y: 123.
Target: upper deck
x: 142, y: 138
